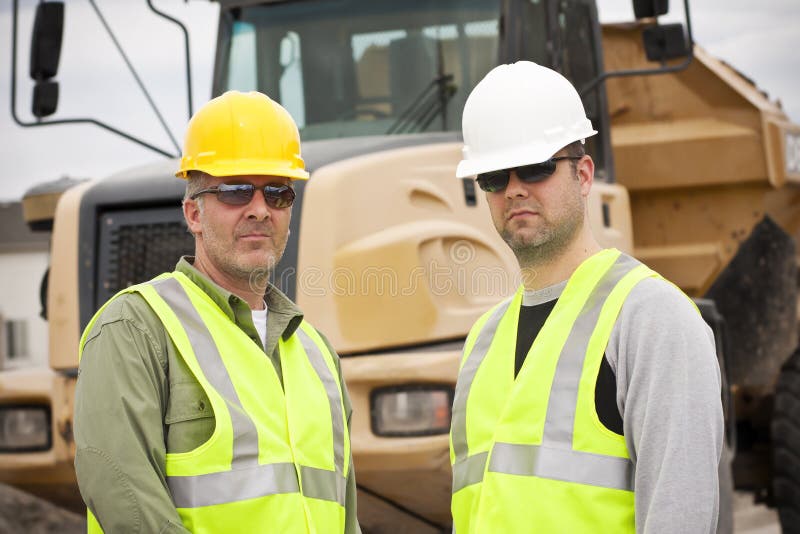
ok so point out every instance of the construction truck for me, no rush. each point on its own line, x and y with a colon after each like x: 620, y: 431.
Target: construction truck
x: 393, y: 258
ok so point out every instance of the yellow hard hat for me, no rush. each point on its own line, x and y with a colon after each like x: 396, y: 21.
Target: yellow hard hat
x: 239, y: 134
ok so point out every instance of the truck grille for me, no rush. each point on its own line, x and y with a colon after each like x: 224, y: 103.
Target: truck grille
x: 136, y: 245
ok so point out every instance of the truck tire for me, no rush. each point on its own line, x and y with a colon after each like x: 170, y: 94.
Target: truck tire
x: 785, y: 433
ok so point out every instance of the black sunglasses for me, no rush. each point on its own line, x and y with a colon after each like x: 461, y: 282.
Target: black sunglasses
x: 275, y: 195
x: 496, y: 181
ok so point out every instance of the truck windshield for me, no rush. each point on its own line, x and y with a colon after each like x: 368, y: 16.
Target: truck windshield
x: 347, y: 68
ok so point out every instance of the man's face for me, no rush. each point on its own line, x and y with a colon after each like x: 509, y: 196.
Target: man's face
x: 539, y: 220
x: 239, y: 241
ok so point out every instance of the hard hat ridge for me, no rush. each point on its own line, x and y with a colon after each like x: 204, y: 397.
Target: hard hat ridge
x: 240, y: 134
x: 519, y: 114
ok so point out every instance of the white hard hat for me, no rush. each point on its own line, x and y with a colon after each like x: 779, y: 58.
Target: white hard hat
x: 517, y: 115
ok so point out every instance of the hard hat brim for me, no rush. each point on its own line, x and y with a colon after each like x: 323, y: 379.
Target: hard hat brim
x: 243, y: 168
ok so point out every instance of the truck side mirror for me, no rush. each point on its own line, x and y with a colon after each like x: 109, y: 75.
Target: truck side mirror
x: 45, y: 99
x: 643, y: 9
x: 48, y: 31
x: 663, y: 42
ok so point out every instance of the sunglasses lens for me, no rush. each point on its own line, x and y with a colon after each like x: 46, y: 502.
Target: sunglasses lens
x: 279, y: 196
x: 536, y: 172
x: 494, y: 181
x: 235, y: 195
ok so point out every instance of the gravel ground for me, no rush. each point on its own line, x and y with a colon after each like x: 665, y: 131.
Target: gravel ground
x: 752, y: 518
x: 22, y: 513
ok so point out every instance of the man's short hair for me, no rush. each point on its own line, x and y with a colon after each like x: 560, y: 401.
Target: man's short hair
x: 195, y: 181
x: 575, y: 149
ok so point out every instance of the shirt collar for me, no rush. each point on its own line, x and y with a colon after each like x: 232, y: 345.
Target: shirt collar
x: 235, y: 307
x: 540, y: 296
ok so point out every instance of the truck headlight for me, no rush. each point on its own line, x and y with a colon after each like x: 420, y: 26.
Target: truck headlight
x: 412, y: 410
x: 24, y: 428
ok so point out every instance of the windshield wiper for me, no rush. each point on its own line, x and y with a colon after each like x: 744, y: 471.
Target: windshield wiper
x: 430, y: 103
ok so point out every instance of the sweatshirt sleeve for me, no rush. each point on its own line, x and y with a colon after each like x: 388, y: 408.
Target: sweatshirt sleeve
x: 668, y: 393
x: 119, y: 431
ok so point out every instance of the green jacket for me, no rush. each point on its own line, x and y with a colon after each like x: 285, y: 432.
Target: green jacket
x: 136, y: 398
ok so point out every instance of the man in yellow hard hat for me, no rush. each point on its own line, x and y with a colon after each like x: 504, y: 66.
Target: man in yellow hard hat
x: 205, y: 403
x: 590, y: 400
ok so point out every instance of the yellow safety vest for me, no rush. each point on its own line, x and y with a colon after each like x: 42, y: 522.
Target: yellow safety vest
x: 278, y: 458
x: 530, y: 454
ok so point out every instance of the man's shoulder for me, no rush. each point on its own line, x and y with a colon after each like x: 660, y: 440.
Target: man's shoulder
x: 129, y: 308
x: 657, y: 302
x: 322, y: 336
x: 657, y: 292
x: 658, y: 327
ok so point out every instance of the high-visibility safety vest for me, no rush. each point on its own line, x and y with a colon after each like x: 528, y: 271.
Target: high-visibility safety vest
x: 279, y: 456
x: 530, y: 454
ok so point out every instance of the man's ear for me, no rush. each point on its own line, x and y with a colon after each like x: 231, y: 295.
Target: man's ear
x: 585, y: 171
x: 191, y: 212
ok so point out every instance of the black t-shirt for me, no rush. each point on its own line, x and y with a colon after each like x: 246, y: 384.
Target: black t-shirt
x: 531, y: 320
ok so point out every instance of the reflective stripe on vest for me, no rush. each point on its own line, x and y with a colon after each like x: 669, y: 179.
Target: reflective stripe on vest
x: 245, y: 441
x: 554, y: 458
x: 469, y: 470
x: 247, y: 479
x: 320, y: 483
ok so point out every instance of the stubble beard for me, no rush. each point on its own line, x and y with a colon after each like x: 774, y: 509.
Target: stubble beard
x: 549, y: 241
x: 226, y: 259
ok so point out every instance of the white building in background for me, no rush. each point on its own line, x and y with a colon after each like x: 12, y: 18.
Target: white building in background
x: 24, y: 259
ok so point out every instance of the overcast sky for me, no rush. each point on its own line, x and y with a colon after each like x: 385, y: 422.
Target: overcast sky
x: 759, y: 38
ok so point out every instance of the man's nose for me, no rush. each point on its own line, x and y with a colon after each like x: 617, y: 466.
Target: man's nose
x: 257, y: 208
x: 515, y: 187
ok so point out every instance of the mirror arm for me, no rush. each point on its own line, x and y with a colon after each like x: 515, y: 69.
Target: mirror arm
x: 644, y: 72
x: 186, y: 46
x: 135, y: 75
x: 62, y: 121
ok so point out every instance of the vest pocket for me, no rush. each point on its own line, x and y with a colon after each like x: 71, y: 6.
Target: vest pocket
x: 187, y: 401
x: 189, y: 419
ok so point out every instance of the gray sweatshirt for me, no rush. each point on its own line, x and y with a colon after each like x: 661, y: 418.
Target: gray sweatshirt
x: 668, y: 394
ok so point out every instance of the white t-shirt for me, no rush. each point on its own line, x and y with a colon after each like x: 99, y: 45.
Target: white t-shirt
x: 260, y: 322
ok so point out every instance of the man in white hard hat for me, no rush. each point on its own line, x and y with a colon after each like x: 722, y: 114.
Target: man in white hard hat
x: 590, y: 400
